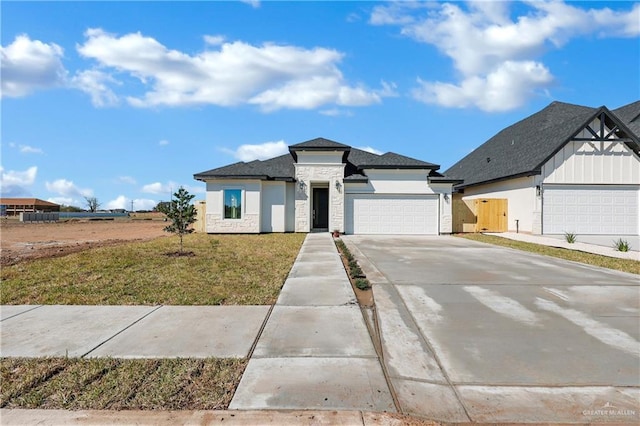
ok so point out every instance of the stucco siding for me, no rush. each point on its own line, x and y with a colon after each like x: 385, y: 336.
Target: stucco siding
x: 522, y: 201
x: 311, y: 157
x: 290, y: 207
x: 580, y: 162
x: 273, y: 207
x: 395, y: 182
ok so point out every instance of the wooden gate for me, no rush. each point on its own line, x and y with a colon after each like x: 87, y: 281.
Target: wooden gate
x: 491, y: 214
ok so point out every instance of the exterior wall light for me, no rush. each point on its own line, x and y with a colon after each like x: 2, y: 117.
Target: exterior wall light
x: 538, y: 190
x: 302, y: 186
x: 338, y: 185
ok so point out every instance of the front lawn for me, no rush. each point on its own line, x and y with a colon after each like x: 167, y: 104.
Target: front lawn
x: 224, y: 270
x: 119, y: 384
x: 625, y: 265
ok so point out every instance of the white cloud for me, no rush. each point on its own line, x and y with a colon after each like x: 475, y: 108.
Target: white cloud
x: 216, y: 40
x: 163, y: 142
x: 67, y: 188
x: 94, y: 83
x: 166, y: 190
x: 122, y: 202
x: 489, y: 48
x: 370, y: 149
x: 253, y: 3
x: 261, y: 151
x: 270, y: 76
x: 160, y: 188
x: 504, y: 89
x: 126, y: 179
x: 336, y: 112
x: 28, y: 65
x: 15, y: 183
x: 67, y: 201
x: 26, y: 149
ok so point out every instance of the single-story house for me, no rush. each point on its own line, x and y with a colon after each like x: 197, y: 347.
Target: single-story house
x: 15, y: 206
x: 566, y: 168
x: 326, y: 185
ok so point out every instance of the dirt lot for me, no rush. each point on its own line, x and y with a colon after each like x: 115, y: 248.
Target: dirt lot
x: 21, y: 241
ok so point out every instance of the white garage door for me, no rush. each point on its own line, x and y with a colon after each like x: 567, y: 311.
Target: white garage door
x: 391, y: 214
x: 590, y: 209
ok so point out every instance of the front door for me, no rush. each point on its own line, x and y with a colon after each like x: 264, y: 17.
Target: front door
x: 320, y: 208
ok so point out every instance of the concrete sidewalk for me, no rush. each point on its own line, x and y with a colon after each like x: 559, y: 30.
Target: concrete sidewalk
x: 559, y: 241
x: 315, y: 351
x: 129, y: 331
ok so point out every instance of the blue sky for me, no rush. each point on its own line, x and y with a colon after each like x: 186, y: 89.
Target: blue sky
x: 125, y: 101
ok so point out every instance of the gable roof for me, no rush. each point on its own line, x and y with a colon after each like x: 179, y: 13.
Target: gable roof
x: 522, y: 148
x: 630, y: 116
x: 282, y: 167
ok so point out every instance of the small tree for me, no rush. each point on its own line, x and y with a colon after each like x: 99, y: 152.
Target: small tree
x: 92, y: 204
x: 181, y: 213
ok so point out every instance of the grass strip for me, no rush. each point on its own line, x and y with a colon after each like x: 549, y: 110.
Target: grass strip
x: 225, y: 270
x: 117, y: 384
x: 624, y: 265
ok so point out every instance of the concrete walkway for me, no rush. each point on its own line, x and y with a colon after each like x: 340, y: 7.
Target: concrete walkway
x: 559, y: 241
x: 129, y: 331
x: 315, y: 351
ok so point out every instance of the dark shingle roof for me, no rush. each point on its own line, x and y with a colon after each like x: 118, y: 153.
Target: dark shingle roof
x: 282, y: 167
x: 630, y: 116
x: 319, y: 144
x: 391, y: 160
x: 278, y: 168
x: 522, y: 148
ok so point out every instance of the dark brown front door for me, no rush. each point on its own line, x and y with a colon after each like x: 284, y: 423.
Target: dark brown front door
x: 320, y: 208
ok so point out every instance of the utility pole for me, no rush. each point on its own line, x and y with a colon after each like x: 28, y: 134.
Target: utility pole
x: 131, y: 205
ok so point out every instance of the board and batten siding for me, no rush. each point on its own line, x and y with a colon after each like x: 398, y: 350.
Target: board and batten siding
x: 580, y: 162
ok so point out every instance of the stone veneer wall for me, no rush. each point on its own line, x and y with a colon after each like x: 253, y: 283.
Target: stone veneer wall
x: 319, y: 173
x: 250, y: 223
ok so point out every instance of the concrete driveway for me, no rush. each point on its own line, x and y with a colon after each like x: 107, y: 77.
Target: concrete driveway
x: 474, y: 332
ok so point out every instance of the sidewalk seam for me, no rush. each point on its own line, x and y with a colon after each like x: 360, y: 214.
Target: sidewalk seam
x: 121, y: 331
x: 20, y: 313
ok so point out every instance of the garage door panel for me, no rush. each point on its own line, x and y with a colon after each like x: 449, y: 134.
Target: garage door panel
x: 391, y: 214
x: 593, y: 209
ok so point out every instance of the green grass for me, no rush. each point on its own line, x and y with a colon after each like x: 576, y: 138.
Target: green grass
x: 118, y: 384
x: 625, y: 265
x: 225, y: 269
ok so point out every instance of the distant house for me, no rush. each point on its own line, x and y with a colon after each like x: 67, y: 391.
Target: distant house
x: 326, y: 185
x: 566, y: 168
x: 15, y: 206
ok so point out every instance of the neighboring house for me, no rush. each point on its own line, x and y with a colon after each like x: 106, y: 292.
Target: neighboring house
x: 15, y: 206
x: 325, y: 185
x: 567, y: 168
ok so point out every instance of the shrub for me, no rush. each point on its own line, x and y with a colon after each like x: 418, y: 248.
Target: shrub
x: 570, y: 237
x: 621, y: 245
x: 363, y: 284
